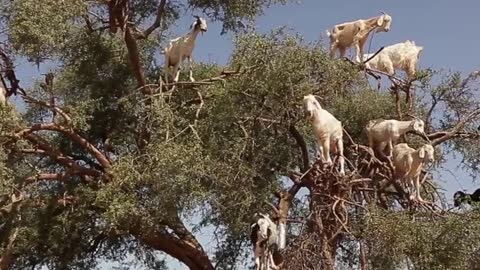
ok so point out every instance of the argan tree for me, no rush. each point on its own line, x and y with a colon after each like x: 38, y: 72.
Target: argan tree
x: 104, y: 160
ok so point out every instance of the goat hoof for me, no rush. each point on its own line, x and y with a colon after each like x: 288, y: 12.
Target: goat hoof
x: 192, y: 79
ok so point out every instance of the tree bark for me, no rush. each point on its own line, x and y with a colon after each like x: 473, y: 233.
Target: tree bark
x: 7, y: 258
x: 185, y: 251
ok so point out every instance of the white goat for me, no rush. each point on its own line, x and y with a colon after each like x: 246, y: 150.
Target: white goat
x: 181, y: 48
x: 345, y: 35
x: 264, y: 238
x: 382, y: 132
x: 408, y: 164
x: 402, y: 56
x: 328, y: 131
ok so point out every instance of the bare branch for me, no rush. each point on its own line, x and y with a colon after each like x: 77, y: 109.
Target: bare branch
x: 440, y: 137
x: 50, y: 106
x: 71, y: 134
x: 156, y: 23
x: 58, y: 156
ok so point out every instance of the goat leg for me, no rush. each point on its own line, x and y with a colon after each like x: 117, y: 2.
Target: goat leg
x: 411, y: 190
x: 177, y: 73
x: 333, y: 49
x: 326, y: 151
x: 417, y: 189
x: 341, y: 159
x: 190, y: 63
x: 359, y: 53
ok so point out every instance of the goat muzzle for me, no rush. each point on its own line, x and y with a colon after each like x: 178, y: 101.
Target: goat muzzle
x: 308, y: 114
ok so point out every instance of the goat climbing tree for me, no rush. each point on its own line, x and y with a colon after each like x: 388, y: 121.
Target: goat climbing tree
x: 100, y: 161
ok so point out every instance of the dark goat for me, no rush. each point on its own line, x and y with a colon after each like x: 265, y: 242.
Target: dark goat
x: 461, y: 197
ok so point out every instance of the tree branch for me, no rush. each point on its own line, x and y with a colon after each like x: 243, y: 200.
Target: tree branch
x: 10, y: 75
x: 156, y: 23
x: 49, y: 177
x: 58, y: 156
x: 440, y: 137
x: 72, y: 135
x: 50, y: 106
x: 194, y: 258
x: 303, y: 146
x: 6, y: 259
x: 118, y: 13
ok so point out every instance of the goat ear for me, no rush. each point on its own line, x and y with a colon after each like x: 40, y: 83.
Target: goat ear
x: 380, y: 20
x: 421, y: 152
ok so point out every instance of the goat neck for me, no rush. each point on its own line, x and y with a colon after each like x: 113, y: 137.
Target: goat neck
x: 194, y: 33
x: 404, y: 126
x: 316, y: 114
x: 372, y: 23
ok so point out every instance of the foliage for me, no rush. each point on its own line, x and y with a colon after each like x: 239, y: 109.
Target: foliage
x: 422, y: 242
x: 215, y: 153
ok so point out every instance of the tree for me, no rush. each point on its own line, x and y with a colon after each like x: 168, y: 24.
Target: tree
x: 105, y: 161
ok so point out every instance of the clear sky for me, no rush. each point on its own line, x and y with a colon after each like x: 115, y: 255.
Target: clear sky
x: 448, y: 30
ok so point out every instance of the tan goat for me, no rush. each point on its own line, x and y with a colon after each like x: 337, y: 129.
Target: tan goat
x: 408, y: 164
x: 343, y: 36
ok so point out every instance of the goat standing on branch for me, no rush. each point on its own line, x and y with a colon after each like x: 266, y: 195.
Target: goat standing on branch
x: 382, y: 132
x: 408, y: 164
x: 328, y: 131
x: 345, y: 35
x: 402, y: 56
x: 264, y: 238
x: 181, y: 48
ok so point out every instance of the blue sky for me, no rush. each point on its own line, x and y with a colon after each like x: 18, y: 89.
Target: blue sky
x: 448, y: 30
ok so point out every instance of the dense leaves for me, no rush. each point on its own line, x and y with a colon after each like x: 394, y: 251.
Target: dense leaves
x: 108, y: 171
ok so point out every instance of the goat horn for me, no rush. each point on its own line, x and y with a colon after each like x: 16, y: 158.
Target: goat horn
x: 196, y: 16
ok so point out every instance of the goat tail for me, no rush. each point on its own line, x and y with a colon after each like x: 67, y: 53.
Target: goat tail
x: 328, y: 33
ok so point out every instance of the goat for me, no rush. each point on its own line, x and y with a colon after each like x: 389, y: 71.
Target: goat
x: 345, y: 35
x: 381, y: 132
x: 461, y: 197
x: 264, y: 238
x: 409, y: 162
x: 328, y: 131
x: 181, y: 48
x: 403, y: 55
